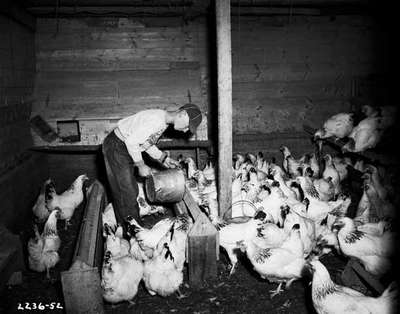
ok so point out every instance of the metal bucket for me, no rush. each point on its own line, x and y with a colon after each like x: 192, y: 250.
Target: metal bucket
x: 167, y: 186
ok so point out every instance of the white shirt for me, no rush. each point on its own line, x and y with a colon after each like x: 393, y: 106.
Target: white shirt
x: 141, y: 131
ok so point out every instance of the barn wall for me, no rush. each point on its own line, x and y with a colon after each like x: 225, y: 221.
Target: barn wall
x: 17, y: 67
x: 98, y: 70
x: 287, y: 71
x: 290, y: 71
x: 21, y: 172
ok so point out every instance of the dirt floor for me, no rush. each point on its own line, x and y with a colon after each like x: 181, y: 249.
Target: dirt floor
x: 243, y: 292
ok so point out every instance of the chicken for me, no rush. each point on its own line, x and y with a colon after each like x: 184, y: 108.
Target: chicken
x: 330, y: 298
x: 364, y: 136
x: 209, y: 171
x: 273, y: 203
x: 115, y: 243
x: 43, y: 248
x: 231, y: 233
x: 325, y: 188
x: 109, y: 220
x: 341, y: 167
x: 376, y: 180
x: 145, y: 208
x: 120, y: 277
x: 282, y: 264
x: 40, y: 209
x: 278, y: 174
x: 290, y: 165
x: 67, y: 201
x: 363, y: 208
x: 326, y: 239
x: 148, y: 239
x: 331, y: 172
x: 161, y: 275
x: 192, y: 168
x: 314, y: 165
x: 372, y: 251
x: 306, y: 227
x: 339, y: 126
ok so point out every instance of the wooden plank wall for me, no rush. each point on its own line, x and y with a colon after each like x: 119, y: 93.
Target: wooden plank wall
x: 17, y: 67
x: 288, y: 71
x: 98, y: 70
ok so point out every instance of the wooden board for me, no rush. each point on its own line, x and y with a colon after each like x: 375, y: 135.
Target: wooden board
x: 202, y: 254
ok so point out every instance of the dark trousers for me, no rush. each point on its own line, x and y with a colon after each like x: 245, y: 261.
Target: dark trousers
x: 121, y: 177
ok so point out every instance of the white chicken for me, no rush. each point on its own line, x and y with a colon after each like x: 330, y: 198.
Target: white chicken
x: 364, y: 136
x: 290, y: 165
x: 339, y: 126
x: 145, y: 208
x: 372, y: 251
x: 331, y: 172
x: 67, y: 201
x: 231, y: 233
x: 40, y: 209
x: 282, y: 264
x: 148, y: 239
x: 115, y: 243
x: 306, y: 226
x: 161, y: 275
x: 330, y: 298
x: 43, y: 249
x: 120, y: 277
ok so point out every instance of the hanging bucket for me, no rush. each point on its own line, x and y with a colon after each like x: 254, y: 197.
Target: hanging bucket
x: 167, y: 186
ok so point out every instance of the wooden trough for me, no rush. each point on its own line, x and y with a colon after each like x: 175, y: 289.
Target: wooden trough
x: 81, y: 283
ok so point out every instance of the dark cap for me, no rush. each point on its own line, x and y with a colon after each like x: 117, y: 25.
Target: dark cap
x: 194, y: 114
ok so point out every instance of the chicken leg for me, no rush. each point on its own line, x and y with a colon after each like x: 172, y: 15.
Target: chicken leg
x: 276, y: 291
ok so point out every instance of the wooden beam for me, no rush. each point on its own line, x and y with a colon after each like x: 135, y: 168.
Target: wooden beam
x: 224, y: 59
x: 18, y: 14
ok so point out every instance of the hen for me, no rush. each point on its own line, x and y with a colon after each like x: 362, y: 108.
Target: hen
x: 330, y: 298
x: 340, y: 125
x: 372, y: 251
x: 148, y: 239
x: 43, y: 248
x: 67, y: 201
x: 121, y: 276
x: 290, y: 165
x: 283, y: 264
x: 40, y: 209
x: 364, y: 136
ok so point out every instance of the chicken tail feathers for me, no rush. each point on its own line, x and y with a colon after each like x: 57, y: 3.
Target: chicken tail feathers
x: 49, y: 191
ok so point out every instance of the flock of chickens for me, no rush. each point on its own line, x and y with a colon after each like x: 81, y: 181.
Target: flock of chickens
x: 365, y: 134
x: 283, y: 218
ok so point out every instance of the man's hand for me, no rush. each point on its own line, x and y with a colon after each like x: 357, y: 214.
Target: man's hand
x: 171, y: 163
x: 144, y: 170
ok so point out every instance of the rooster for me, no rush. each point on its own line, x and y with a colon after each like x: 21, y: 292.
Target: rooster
x: 43, y: 248
x: 40, y: 209
x: 330, y: 298
x: 67, y: 201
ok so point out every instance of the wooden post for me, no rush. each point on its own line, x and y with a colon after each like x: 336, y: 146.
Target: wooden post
x: 224, y: 57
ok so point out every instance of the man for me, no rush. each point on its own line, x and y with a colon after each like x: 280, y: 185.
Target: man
x: 123, y: 147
